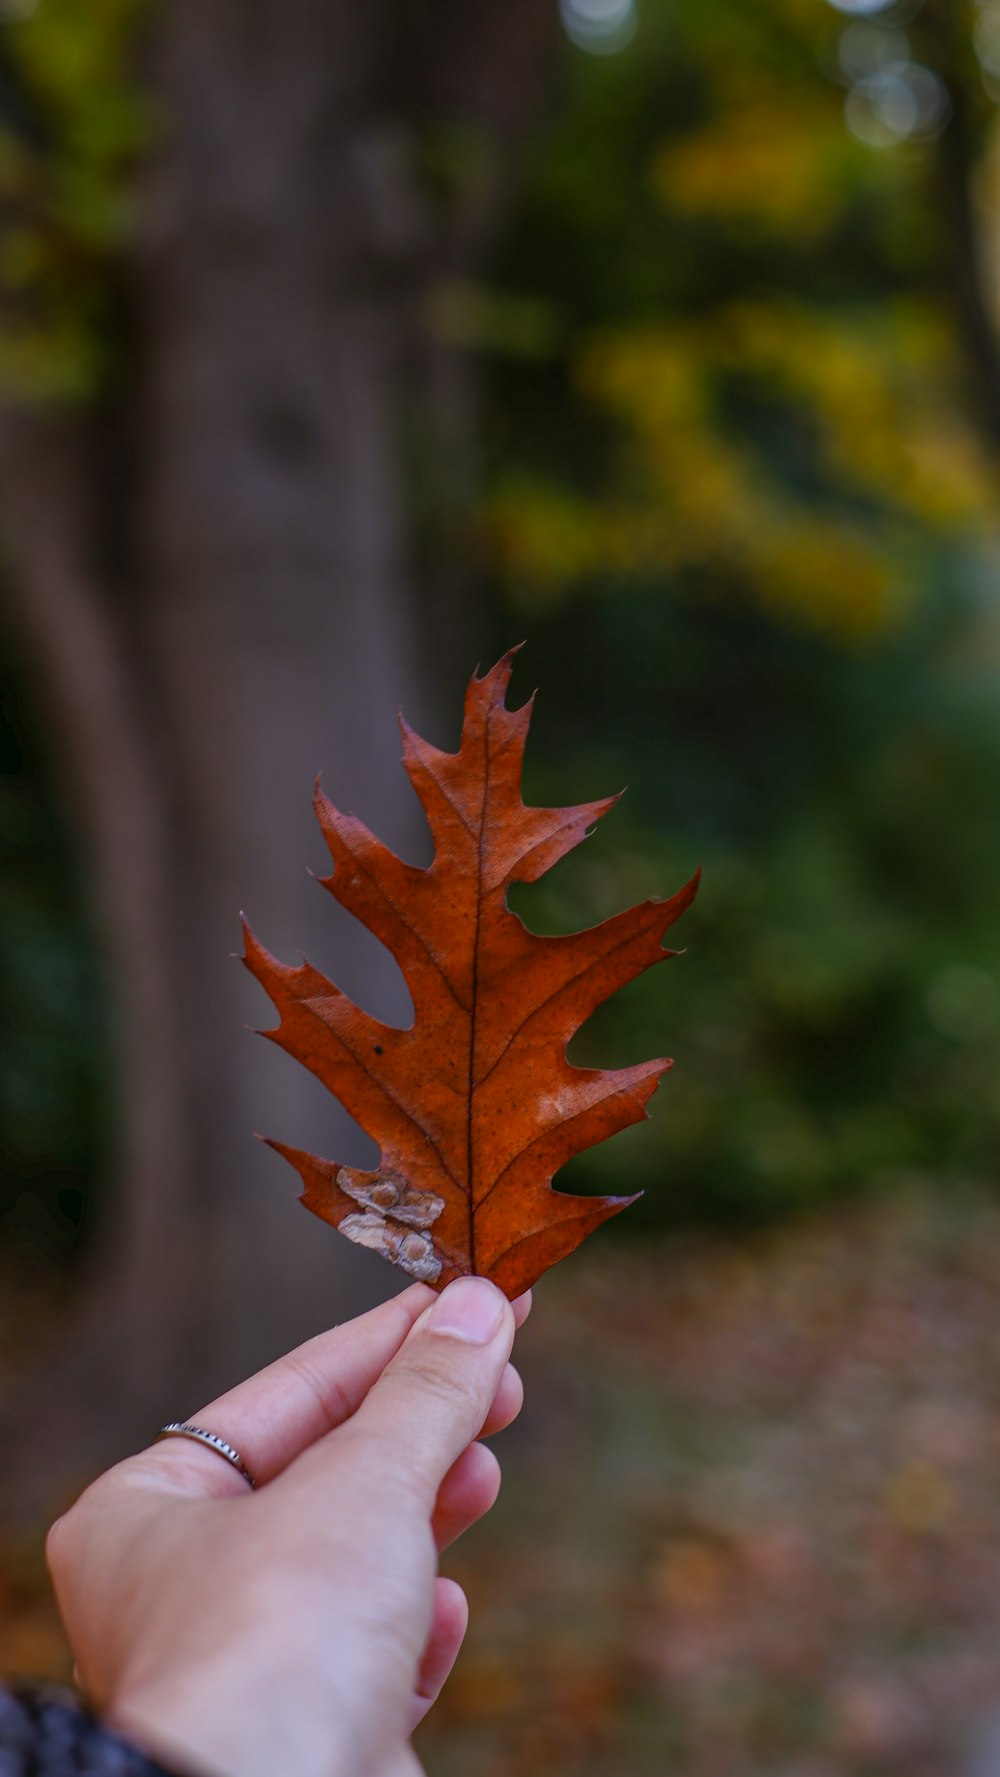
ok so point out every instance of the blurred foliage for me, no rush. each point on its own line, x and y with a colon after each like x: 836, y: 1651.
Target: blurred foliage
x: 736, y: 498
x: 835, y: 1018
x: 745, y: 517
x: 757, y: 383
x: 71, y: 126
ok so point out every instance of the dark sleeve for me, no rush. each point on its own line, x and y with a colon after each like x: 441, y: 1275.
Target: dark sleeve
x: 48, y: 1733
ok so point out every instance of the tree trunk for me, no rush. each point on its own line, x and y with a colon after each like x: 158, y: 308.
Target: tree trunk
x: 277, y: 612
x: 968, y: 299
x: 115, y: 807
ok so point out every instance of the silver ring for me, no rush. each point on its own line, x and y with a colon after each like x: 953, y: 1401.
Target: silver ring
x: 179, y: 1429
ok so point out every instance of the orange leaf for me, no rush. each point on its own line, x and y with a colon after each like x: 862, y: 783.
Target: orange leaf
x: 475, y: 1106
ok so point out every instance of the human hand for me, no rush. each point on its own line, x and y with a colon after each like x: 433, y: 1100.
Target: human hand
x: 300, y: 1628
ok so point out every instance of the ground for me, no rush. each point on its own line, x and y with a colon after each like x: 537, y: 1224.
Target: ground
x: 751, y: 1515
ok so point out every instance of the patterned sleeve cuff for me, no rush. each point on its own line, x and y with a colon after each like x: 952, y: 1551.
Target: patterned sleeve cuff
x: 47, y: 1733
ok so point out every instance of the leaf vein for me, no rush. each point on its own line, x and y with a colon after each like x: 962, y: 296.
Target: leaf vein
x: 411, y: 1117
x: 578, y: 975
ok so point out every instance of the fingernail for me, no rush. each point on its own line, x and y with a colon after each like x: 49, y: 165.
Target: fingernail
x: 470, y: 1309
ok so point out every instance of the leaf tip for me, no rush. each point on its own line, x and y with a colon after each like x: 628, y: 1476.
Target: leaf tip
x: 504, y: 663
x: 278, y: 1147
x: 251, y: 947
x: 497, y: 679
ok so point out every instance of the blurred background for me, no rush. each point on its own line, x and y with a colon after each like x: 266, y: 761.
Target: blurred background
x: 340, y: 348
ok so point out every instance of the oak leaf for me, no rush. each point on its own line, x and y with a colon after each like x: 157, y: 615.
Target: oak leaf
x: 475, y: 1106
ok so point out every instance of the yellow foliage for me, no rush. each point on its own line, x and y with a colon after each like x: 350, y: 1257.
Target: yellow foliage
x: 874, y: 392
x: 830, y: 576
x: 764, y: 159
x: 546, y: 533
x: 66, y: 205
x: 882, y: 387
x: 77, y: 61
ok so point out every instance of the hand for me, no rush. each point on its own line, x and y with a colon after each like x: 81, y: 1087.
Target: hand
x: 300, y: 1628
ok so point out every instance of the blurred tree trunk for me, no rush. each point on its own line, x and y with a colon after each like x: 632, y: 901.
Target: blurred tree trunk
x: 262, y: 621
x: 965, y: 256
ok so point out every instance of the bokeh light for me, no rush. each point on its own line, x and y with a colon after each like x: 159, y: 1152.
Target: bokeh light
x: 863, y: 7
x: 602, y: 27
x: 896, y: 103
x: 866, y: 49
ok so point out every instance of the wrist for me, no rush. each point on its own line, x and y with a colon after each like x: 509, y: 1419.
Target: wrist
x: 45, y: 1728
x: 208, y: 1728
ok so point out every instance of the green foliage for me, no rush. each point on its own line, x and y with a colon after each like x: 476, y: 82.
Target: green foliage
x: 744, y: 516
x: 836, y: 1017
x: 71, y: 125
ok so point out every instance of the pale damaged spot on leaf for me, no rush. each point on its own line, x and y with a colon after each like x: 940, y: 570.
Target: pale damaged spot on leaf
x: 413, y: 1253
x: 387, y: 1203
x: 393, y: 1196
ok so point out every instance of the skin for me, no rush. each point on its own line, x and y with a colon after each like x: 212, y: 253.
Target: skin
x: 302, y: 1627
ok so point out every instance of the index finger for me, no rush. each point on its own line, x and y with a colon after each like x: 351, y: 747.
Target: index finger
x: 276, y: 1414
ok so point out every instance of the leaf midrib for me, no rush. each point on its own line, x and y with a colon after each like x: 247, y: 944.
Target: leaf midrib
x: 471, y: 1080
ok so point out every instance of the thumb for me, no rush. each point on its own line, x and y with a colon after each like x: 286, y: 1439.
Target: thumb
x: 431, y: 1400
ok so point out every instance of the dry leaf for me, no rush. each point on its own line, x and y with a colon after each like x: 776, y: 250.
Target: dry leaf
x: 475, y: 1106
